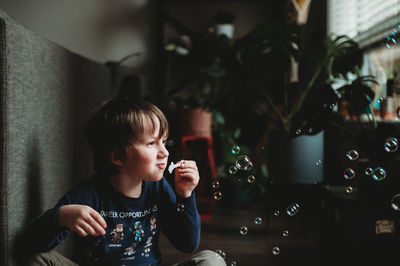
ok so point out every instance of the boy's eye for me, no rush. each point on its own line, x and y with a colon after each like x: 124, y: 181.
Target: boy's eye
x: 151, y: 142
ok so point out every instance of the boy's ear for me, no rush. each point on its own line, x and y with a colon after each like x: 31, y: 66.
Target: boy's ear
x: 115, y: 158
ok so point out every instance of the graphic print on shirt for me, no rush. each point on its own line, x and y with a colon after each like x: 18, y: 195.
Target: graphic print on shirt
x: 117, y: 234
x: 153, y: 225
x: 129, y: 251
x: 137, y: 231
x: 147, y: 247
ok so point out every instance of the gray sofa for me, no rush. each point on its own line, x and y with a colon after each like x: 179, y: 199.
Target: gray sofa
x: 47, y: 93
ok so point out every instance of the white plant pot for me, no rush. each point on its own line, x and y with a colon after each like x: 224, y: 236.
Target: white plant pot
x: 227, y: 29
x: 298, y: 160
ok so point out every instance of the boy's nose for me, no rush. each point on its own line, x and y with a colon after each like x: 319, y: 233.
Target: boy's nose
x: 163, y: 152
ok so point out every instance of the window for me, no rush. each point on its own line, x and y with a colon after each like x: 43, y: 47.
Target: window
x: 367, y: 21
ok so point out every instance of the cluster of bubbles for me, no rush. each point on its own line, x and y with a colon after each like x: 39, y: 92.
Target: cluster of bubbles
x: 392, y: 38
x: 244, y: 230
x: 217, y: 195
x: 242, y: 162
x: 378, y: 174
x: 349, y: 173
x: 291, y: 210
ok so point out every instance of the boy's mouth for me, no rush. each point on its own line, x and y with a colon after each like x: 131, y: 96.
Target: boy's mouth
x: 161, y: 165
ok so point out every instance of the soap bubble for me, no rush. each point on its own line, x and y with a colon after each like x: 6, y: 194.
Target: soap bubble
x: 298, y: 131
x: 233, y: 263
x: 180, y: 207
x: 215, y: 184
x: 379, y: 174
x: 292, y: 209
x: 389, y: 41
x: 352, y: 155
x: 368, y: 171
x: 276, y: 250
x: 349, y: 189
x: 391, y: 144
x: 217, y: 195
x: 276, y: 213
x: 221, y: 253
x: 349, y: 173
x: 235, y: 149
x: 243, y: 162
x: 380, y: 100
x: 285, y: 233
x: 233, y: 170
x: 169, y: 143
x: 258, y: 220
x: 243, y: 230
x: 395, y: 202
x: 251, y: 179
x: 318, y: 162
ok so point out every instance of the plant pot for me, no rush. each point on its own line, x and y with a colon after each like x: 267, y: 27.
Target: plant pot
x: 196, y: 122
x: 227, y: 29
x: 298, y: 160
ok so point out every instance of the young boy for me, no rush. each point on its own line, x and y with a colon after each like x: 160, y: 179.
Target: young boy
x: 119, y: 212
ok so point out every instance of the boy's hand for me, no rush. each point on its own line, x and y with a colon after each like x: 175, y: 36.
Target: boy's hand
x: 82, y: 220
x: 186, y: 178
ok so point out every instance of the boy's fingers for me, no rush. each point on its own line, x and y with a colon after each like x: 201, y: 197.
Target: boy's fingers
x: 97, y: 217
x: 88, y: 229
x: 188, y: 164
x: 96, y: 226
x: 188, y: 176
x: 184, y: 171
x: 80, y: 231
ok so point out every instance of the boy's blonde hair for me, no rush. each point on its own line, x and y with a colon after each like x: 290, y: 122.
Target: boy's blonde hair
x: 118, y: 123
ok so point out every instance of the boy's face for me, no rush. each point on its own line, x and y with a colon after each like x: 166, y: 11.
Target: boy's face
x: 147, y: 157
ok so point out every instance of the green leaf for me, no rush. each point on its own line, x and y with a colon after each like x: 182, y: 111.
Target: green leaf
x: 236, y: 133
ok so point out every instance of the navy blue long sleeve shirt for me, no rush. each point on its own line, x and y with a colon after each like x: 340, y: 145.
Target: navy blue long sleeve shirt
x: 133, y: 224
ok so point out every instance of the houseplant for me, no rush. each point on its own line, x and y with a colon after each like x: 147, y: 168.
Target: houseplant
x: 295, y: 80
x: 266, y: 55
